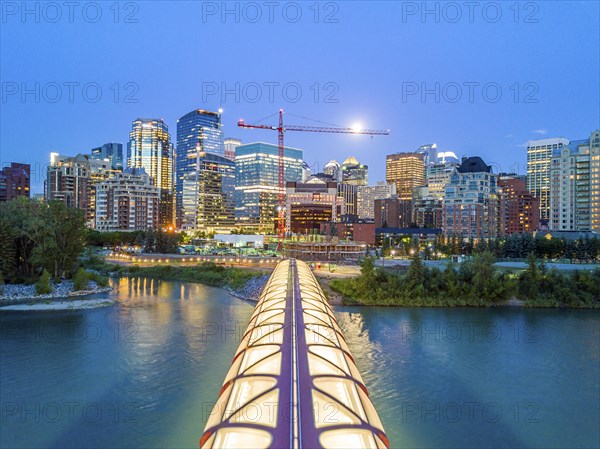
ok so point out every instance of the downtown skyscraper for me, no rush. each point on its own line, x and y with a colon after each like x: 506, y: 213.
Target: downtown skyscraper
x: 257, y: 183
x: 539, y: 160
x: 575, y: 186
x: 407, y: 171
x: 150, y: 148
x: 198, y: 132
x: 112, y: 151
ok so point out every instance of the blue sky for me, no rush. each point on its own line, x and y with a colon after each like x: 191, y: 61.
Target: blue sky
x: 478, y: 81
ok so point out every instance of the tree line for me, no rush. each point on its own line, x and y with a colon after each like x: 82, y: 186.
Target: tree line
x: 37, y: 236
x: 476, y: 282
x: 516, y: 246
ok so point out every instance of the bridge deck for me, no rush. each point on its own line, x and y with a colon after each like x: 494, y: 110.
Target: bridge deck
x: 293, y: 382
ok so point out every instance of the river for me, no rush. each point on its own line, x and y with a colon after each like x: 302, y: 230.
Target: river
x: 146, y: 372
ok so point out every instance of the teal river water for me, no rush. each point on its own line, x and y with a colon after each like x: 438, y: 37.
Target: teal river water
x: 145, y: 373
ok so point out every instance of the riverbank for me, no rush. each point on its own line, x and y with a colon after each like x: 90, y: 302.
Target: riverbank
x: 73, y: 304
x: 476, y: 283
x: 342, y: 292
x: 20, y: 294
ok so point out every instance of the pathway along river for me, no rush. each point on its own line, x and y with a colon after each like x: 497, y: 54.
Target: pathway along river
x: 146, y: 372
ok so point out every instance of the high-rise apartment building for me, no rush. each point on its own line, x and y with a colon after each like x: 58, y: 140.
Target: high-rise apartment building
x: 198, y: 132
x: 112, y: 151
x: 575, y: 186
x: 208, y: 203
x: 407, y: 171
x: 353, y: 172
x: 128, y: 201
x: 73, y: 180
x: 539, y: 160
x: 68, y: 180
x: 428, y: 208
x: 15, y: 181
x: 366, y: 196
x: 350, y: 194
x: 150, y: 148
x: 438, y: 175
x: 471, y: 202
x: 310, y: 204
x: 257, y: 183
x: 521, y: 208
x: 230, y: 144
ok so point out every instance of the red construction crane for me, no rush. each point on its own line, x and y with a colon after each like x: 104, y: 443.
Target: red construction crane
x: 281, y: 129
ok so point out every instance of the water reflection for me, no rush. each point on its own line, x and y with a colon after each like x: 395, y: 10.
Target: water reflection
x: 479, y: 378
x: 153, y: 366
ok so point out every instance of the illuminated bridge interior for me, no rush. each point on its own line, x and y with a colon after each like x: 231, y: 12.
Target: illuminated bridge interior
x: 293, y: 383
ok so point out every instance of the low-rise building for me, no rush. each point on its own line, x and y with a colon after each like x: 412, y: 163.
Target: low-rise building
x: 15, y: 181
x: 333, y: 251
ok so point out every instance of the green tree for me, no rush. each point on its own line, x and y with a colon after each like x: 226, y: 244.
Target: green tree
x: 43, y: 285
x: 8, y: 251
x: 81, y: 280
x: 416, y: 272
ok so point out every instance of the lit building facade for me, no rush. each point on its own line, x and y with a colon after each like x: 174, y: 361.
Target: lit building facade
x: 15, y: 181
x: 393, y: 213
x: 575, y: 186
x: 73, y: 181
x: 112, y: 151
x: 198, y: 132
x: 406, y: 171
x: 208, y: 195
x: 428, y: 208
x: 128, y: 201
x: 521, y: 208
x: 438, y: 175
x: 350, y: 194
x: 366, y: 196
x: 471, y: 202
x: 257, y: 183
x: 353, y: 172
x: 310, y: 204
x: 150, y: 148
x: 230, y: 144
x: 539, y: 160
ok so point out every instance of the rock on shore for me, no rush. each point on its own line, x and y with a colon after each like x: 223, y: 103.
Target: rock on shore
x: 252, y: 290
x: 21, y: 293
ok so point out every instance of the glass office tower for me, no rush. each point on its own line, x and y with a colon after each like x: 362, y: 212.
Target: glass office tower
x: 112, y: 151
x: 207, y: 200
x: 150, y: 148
x: 257, y: 183
x: 198, y: 132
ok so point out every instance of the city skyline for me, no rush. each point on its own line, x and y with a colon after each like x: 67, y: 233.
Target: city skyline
x: 376, y: 94
x: 498, y: 166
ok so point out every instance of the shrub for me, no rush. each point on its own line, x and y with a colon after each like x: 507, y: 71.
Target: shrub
x: 43, y: 285
x: 81, y: 280
x: 101, y: 281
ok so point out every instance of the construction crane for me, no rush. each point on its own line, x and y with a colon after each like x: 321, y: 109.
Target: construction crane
x: 281, y: 129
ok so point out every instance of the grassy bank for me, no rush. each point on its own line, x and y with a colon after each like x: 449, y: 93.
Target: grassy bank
x: 207, y: 273
x: 476, y: 283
